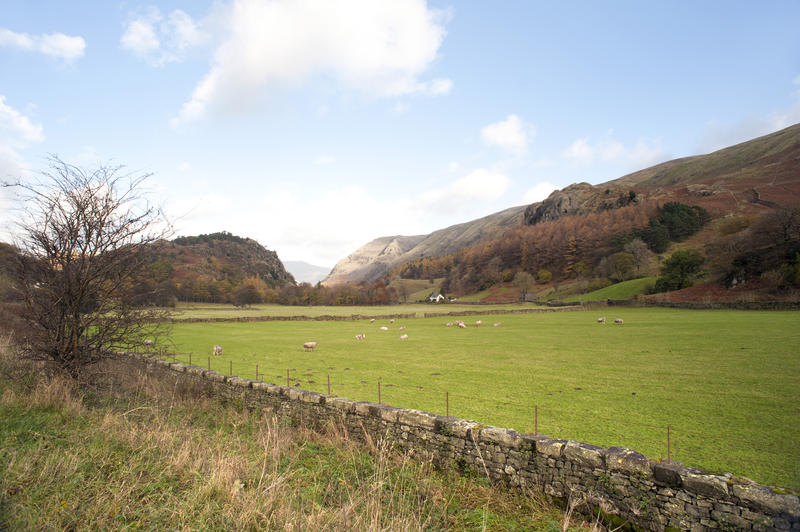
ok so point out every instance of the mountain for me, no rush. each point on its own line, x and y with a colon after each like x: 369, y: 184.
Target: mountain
x: 304, y: 272
x: 211, y: 268
x: 377, y: 257
x: 747, y: 179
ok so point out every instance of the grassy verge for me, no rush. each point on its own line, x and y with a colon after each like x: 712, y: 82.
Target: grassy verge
x: 623, y: 290
x: 144, y: 453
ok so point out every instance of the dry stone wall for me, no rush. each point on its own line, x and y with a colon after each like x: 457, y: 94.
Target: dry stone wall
x: 621, y: 482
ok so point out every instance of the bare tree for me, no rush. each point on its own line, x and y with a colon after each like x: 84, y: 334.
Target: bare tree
x: 86, y: 237
x: 523, y: 281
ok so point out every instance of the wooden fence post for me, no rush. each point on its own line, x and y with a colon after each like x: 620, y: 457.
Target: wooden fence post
x: 447, y: 403
x: 536, y: 420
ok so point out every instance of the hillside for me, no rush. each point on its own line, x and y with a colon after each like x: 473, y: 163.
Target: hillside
x: 374, y: 259
x: 748, y: 180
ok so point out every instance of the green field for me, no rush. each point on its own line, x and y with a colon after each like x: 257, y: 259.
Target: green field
x: 623, y: 290
x: 725, y: 381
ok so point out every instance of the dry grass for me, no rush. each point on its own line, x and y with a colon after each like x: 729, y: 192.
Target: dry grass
x: 151, y: 454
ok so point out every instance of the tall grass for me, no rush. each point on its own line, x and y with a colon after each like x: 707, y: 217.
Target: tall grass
x: 131, y: 451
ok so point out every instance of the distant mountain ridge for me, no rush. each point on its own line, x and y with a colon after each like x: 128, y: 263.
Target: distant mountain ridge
x: 762, y: 172
x: 375, y: 258
x: 303, y: 272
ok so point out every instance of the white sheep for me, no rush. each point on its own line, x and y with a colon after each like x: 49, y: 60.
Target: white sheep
x: 618, y: 321
x: 391, y: 321
x: 448, y: 324
x: 217, y: 350
x: 384, y: 328
x: 601, y: 320
x: 309, y: 346
x: 360, y: 336
x: 462, y: 325
x: 404, y: 337
x: 147, y: 343
x: 497, y: 324
x: 403, y: 328
x: 478, y: 323
x: 372, y: 320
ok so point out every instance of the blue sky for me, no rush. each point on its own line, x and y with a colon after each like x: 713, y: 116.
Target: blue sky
x: 315, y: 126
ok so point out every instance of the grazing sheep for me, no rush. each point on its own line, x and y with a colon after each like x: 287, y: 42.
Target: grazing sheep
x: 496, y: 324
x: 618, y: 321
x: 309, y: 346
x: 478, y: 323
x: 448, y: 324
x: 360, y: 336
x: 391, y: 321
x: 601, y: 320
x: 462, y: 325
x: 384, y: 328
x: 404, y: 337
x: 372, y: 320
x: 403, y: 328
x: 217, y: 350
x: 147, y: 343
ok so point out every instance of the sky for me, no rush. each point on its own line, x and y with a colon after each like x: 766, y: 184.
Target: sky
x: 315, y: 126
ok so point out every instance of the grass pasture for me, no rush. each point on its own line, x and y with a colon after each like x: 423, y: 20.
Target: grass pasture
x: 725, y: 381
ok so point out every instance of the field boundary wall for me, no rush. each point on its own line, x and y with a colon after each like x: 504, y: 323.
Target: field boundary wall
x: 621, y: 482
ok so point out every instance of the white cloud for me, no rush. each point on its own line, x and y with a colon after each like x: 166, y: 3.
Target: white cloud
x: 160, y: 40
x: 16, y: 128
x: 539, y: 192
x: 642, y: 154
x: 510, y: 134
x: 376, y: 47
x: 479, y: 186
x: 16, y: 132
x: 57, y: 45
x: 184, y: 166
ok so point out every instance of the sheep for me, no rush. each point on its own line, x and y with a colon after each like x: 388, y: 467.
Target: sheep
x: 391, y: 321
x: 147, y: 343
x: 462, y: 325
x: 361, y: 336
x: 372, y: 320
x: 478, y: 323
x: 496, y: 324
x: 601, y: 320
x: 217, y: 350
x: 618, y: 321
x: 448, y: 324
x: 404, y: 337
x: 403, y: 328
x: 309, y: 346
x: 384, y: 328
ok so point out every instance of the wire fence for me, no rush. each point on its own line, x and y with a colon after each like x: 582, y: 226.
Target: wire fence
x: 646, y: 432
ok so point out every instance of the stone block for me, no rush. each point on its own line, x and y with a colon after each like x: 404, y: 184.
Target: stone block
x: 764, y: 499
x: 418, y: 418
x: 260, y: 385
x: 728, y: 520
x: 667, y: 474
x: 628, y: 461
x: 550, y: 448
x: 504, y: 437
x: 177, y: 366
x: 238, y: 381
x: 583, y: 453
x: 458, y: 427
x: 708, y: 485
x: 213, y: 376
x: 362, y: 408
x: 293, y: 394
x: 389, y: 413
x: 312, y: 397
x: 194, y: 370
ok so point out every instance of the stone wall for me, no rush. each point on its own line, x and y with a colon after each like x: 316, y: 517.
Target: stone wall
x: 621, y: 482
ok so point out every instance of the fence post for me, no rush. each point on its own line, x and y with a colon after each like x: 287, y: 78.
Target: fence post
x: 256, y: 371
x: 190, y: 358
x: 230, y: 367
x: 447, y: 403
x: 329, y: 383
x: 287, y: 376
x: 536, y: 420
x: 379, y: 391
x: 669, y: 457
x: 209, y: 363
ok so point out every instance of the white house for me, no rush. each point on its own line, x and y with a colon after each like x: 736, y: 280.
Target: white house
x: 436, y: 298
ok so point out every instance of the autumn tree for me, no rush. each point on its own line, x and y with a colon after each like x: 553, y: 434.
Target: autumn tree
x: 523, y: 282
x: 85, y: 238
